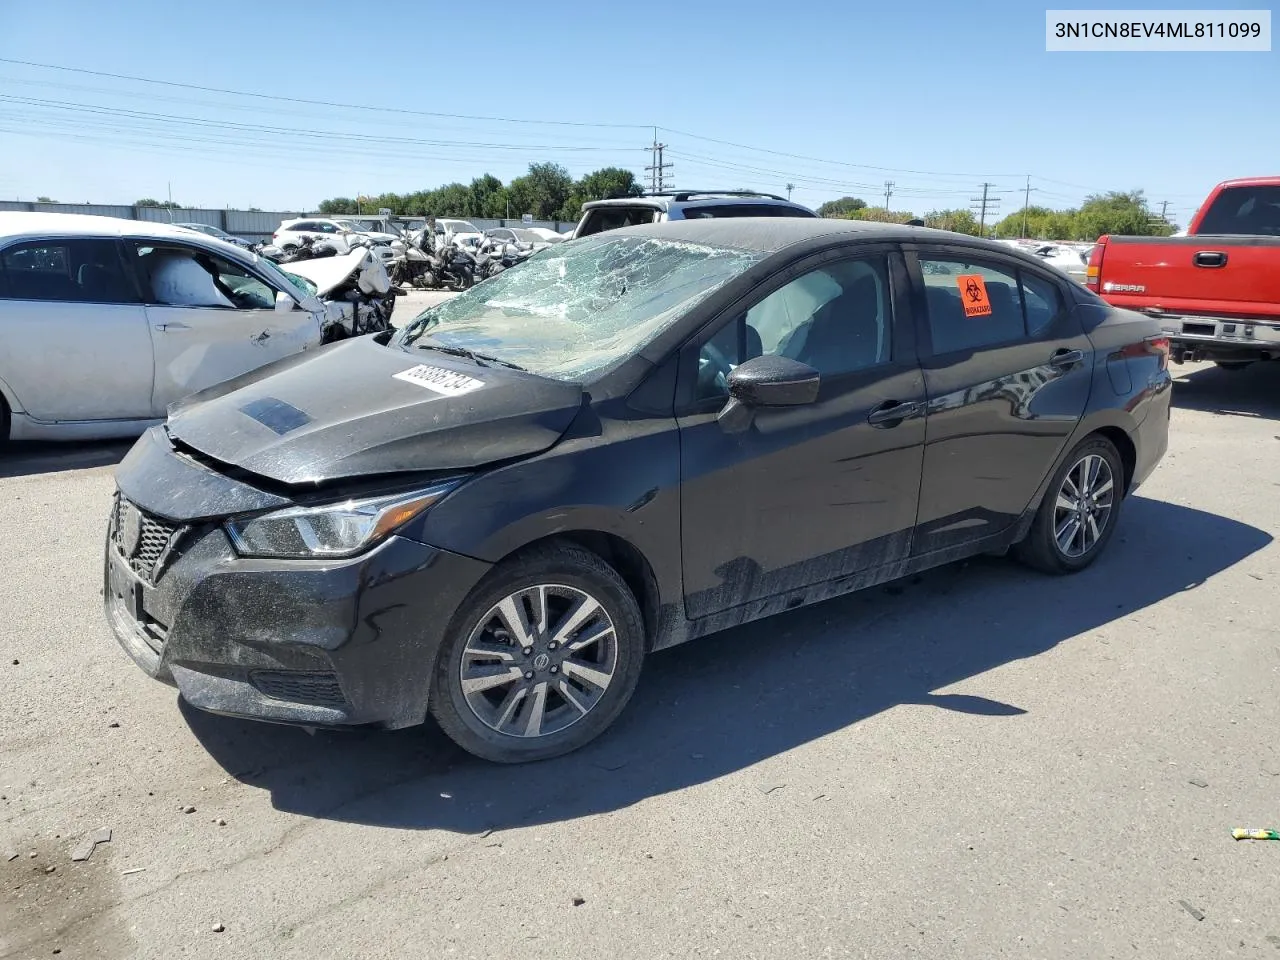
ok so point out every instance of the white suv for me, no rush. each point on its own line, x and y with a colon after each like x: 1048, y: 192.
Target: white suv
x: 601, y: 215
x: 290, y: 232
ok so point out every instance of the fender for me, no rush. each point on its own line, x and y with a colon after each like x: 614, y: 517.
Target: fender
x: 622, y: 480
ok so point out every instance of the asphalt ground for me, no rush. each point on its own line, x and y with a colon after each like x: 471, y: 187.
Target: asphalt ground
x: 979, y: 762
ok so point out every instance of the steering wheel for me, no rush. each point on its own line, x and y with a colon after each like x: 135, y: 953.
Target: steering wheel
x: 715, y: 366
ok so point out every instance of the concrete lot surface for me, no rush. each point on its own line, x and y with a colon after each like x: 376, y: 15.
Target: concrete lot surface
x: 980, y: 762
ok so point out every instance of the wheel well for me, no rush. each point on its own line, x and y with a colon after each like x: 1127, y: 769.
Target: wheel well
x: 4, y: 419
x: 1124, y: 446
x: 630, y: 564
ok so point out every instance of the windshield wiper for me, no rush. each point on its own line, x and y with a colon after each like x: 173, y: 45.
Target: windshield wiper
x: 483, y: 359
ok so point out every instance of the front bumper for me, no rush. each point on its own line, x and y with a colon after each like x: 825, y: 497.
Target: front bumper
x: 324, y: 643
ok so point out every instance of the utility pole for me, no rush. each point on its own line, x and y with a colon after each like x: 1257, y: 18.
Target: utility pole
x: 982, y: 204
x: 1025, y: 204
x: 888, y: 192
x: 790, y: 187
x: 656, y: 175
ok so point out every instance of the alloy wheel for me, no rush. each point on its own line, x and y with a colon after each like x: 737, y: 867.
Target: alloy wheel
x: 1083, y: 506
x: 539, y: 660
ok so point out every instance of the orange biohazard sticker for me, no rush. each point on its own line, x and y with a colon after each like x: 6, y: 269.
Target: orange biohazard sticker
x: 973, y: 295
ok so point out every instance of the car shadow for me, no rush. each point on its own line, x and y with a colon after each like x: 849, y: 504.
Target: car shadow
x: 26, y: 458
x: 1250, y: 392
x: 723, y: 703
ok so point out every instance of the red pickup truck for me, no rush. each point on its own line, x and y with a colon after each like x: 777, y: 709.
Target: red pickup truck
x: 1215, y: 291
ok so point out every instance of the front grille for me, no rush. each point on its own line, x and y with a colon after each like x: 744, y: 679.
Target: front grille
x: 141, y: 538
x: 319, y: 689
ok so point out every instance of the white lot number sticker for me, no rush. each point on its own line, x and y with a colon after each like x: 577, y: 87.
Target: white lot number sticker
x: 448, y: 382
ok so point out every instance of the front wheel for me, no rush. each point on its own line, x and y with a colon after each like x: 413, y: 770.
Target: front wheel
x: 1079, y: 512
x: 541, y: 658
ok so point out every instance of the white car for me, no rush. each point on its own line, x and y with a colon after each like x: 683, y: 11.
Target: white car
x: 465, y: 233
x: 339, y: 232
x: 105, y: 322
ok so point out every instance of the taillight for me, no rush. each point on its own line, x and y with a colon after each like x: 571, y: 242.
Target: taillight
x: 1094, y: 269
x: 1157, y: 346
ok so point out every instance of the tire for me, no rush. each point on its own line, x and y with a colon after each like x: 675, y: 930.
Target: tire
x: 1041, y: 547
x: 1235, y: 366
x: 4, y: 422
x: 493, y: 719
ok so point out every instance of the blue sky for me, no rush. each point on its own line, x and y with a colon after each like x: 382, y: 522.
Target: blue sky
x: 936, y: 96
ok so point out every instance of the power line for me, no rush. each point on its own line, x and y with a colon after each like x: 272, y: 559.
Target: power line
x: 316, y: 103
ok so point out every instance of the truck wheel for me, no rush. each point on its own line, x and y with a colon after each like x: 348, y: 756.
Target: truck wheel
x: 541, y: 658
x: 1232, y: 365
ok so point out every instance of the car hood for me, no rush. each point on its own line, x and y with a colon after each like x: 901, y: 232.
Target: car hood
x: 359, y: 409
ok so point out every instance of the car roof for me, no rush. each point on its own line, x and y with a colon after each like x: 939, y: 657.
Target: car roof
x: 771, y: 234
x: 14, y: 225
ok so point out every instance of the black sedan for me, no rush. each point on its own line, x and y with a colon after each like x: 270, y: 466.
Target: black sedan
x: 492, y: 515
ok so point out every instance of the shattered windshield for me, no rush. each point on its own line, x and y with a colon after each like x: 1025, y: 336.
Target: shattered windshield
x: 579, y: 308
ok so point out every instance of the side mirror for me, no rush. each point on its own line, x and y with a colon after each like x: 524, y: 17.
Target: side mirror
x: 767, y: 382
x: 284, y: 302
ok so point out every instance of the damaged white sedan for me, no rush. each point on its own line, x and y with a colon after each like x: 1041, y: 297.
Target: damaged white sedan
x: 105, y: 322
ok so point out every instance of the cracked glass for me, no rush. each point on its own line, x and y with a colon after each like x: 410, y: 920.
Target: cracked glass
x: 581, y: 307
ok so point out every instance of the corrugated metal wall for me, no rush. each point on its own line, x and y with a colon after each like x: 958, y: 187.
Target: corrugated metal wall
x: 250, y: 224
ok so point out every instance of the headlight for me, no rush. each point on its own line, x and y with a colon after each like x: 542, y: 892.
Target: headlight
x: 333, y: 530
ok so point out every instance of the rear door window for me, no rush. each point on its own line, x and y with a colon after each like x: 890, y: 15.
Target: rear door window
x: 971, y: 304
x: 742, y: 210
x: 75, y: 271
x: 1248, y: 211
x: 615, y: 217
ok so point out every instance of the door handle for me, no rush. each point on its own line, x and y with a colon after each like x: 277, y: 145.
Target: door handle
x: 893, y: 412
x: 172, y: 326
x: 1062, y: 359
x: 1210, y: 258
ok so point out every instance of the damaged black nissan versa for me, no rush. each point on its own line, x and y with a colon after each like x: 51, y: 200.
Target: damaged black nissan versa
x: 632, y: 440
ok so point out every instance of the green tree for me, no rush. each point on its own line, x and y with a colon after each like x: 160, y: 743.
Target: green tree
x: 604, y: 184
x: 1118, y: 212
x: 541, y: 192
x: 842, y: 207
x: 957, y: 221
x: 336, y: 205
x: 880, y: 215
x: 488, y: 197
x: 165, y: 205
x: 45, y: 200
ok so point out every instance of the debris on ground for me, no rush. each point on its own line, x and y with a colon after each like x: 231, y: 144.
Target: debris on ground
x: 578, y: 901
x: 1196, y: 914
x: 50, y: 868
x: 113, y: 724
x: 487, y: 833
x: 1241, y: 833
x: 188, y: 809
x: 126, y: 873
x: 86, y: 848
x: 766, y: 790
x: 1197, y: 782
x: 219, y: 927
x: 220, y: 822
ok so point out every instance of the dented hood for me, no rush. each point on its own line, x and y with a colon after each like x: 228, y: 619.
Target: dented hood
x: 358, y: 408
x: 328, y: 273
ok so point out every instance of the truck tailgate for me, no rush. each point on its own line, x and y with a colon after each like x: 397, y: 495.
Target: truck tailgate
x: 1216, y: 275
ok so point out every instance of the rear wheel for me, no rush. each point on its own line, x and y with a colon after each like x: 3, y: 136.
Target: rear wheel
x: 540, y: 659
x: 1232, y: 365
x: 1079, y: 513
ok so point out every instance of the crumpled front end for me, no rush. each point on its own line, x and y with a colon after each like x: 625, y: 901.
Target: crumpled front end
x: 313, y: 642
